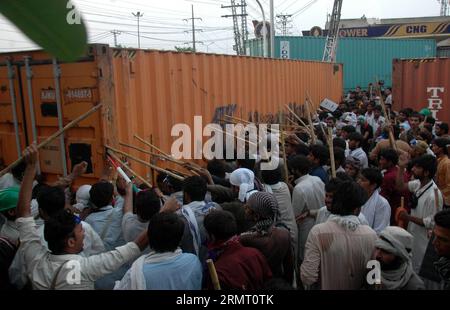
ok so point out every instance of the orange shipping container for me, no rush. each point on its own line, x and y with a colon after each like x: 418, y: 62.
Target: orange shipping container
x: 423, y: 83
x: 144, y: 92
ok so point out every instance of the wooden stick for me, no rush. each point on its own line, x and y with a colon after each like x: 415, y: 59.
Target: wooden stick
x: 388, y: 119
x: 166, y: 156
x: 313, y: 134
x: 145, y: 163
x: 54, y: 136
x: 401, y: 223
x: 141, y: 150
x: 152, y: 161
x: 331, y: 148
x: 286, y: 173
x: 308, y: 99
x: 116, y: 158
x: 213, y: 274
x: 298, y: 118
x: 436, y: 198
x: 235, y: 136
x: 270, y: 129
x: 151, y: 145
x: 238, y: 119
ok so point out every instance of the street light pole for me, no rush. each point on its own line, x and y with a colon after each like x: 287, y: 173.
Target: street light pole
x: 138, y: 15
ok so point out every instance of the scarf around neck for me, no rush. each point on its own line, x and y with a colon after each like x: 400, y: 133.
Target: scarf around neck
x: 350, y: 222
x: 137, y: 269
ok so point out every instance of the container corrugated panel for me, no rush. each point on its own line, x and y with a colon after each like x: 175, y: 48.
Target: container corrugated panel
x: 364, y: 60
x: 156, y: 90
x: 443, y: 52
x: 423, y: 83
x: 147, y: 92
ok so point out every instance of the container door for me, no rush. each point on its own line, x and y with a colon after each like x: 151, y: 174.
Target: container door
x: 12, y: 135
x: 75, y: 84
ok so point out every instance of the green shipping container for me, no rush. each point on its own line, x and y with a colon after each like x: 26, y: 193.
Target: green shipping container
x: 364, y: 60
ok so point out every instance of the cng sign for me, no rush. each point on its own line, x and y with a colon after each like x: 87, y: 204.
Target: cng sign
x: 284, y: 50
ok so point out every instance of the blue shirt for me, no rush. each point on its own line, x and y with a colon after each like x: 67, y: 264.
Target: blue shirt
x: 183, y: 272
x: 111, y: 235
x: 320, y: 173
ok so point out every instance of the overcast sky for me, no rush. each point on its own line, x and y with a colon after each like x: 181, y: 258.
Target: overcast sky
x: 163, y: 27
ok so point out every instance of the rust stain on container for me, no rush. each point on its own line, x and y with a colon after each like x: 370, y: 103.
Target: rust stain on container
x: 423, y: 83
x: 148, y: 92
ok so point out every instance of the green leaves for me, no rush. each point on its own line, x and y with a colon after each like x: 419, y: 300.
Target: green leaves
x: 54, y: 25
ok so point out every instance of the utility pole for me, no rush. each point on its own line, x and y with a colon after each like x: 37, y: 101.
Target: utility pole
x: 115, y: 33
x: 329, y: 53
x: 284, y: 20
x: 244, y: 25
x: 272, y: 30
x: 445, y: 5
x: 138, y: 15
x: 238, y: 36
x: 193, y: 28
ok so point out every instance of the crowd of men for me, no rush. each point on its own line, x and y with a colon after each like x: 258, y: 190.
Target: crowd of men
x: 388, y: 202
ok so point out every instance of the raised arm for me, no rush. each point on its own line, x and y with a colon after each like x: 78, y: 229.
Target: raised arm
x: 128, y: 201
x: 403, y: 161
x: 77, y: 171
x: 24, y: 204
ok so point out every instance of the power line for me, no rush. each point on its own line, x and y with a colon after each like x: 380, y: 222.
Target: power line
x: 304, y: 8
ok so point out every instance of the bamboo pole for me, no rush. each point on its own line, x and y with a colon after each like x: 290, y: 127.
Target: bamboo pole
x: 166, y: 156
x: 152, y: 161
x: 388, y: 119
x: 298, y: 118
x: 151, y: 145
x: 436, y: 198
x: 116, y: 158
x: 313, y: 134
x: 141, y: 150
x: 401, y: 223
x: 285, y: 166
x: 213, y: 274
x: 145, y: 163
x: 238, y: 119
x: 308, y: 99
x: 54, y: 136
x: 331, y: 148
x: 235, y: 136
x: 269, y: 129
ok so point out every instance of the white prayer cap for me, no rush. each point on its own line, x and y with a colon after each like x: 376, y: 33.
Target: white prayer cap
x: 244, y: 178
x: 82, y: 197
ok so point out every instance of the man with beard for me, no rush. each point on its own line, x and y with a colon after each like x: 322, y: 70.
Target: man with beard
x: 393, y: 251
x: 423, y: 203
